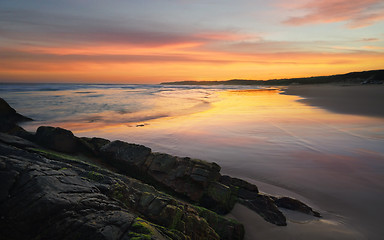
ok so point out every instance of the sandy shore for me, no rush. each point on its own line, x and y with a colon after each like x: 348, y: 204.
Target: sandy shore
x: 332, y: 161
x: 354, y: 99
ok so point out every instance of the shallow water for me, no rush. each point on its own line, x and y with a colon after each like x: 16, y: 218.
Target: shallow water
x: 333, y: 161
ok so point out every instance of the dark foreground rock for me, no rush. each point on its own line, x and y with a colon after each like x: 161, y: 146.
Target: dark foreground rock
x: 9, y: 119
x: 46, y: 198
x: 58, y: 139
x: 8, y: 112
x: 195, y: 179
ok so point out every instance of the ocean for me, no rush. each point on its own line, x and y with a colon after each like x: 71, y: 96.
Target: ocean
x: 334, y: 162
x: 107, y: 103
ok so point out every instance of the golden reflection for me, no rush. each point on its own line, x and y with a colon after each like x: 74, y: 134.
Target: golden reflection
x: 231, y: 113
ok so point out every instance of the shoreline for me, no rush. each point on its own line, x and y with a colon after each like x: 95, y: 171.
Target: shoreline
x: 179, y: 194
x: 363, y: 100
x: 335, y: 210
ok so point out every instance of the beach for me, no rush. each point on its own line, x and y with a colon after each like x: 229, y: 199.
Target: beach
x: 285, y: 144
x: 351, y: 207
x: 362, y: 100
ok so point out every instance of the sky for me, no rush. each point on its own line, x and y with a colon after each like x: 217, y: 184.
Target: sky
x: 153, y: 41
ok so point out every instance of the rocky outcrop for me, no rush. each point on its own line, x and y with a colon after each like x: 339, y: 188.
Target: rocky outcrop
x: 93, y: 145
x: 9, y: 119
x: 294, y: 204
x: 192, y: 178
x: 44, y: 199
x: 195, y: 180
x: 57, y: 139
x: 265, y: 205
x: 40, y: 197
x: 8, y: 112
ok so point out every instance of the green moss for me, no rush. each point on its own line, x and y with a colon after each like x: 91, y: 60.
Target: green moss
x: 62, y: 156
x: 118, y: 194
x: 142, y: 229
x: 136, y: 236
x: 222, y: 196
x: 220, y: 223
x: 95, y: 176
x: 141, y: 226
x: 53, y: 154
x: 177, y: 218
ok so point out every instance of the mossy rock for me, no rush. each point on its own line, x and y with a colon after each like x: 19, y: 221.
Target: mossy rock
x: 95, y: 176
x: 143, y: 230
x: 219, y: 198
x: 226, y: 228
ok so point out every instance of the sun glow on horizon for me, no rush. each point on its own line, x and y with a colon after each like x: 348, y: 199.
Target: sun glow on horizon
x: 56, y: 43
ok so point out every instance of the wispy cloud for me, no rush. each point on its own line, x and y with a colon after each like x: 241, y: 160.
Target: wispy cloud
x: 356, y: 13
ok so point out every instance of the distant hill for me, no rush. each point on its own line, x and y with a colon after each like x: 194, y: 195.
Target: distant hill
x: 366, y: 77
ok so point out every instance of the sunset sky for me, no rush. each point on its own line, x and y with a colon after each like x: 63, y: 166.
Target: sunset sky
x: 153, y: 41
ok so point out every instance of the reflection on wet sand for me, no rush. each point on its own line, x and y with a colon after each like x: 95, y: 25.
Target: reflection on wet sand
x: 333, y: 160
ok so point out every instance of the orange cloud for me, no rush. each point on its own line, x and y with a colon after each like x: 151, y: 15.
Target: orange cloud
x: 356, y: 13
x: 187, y: 64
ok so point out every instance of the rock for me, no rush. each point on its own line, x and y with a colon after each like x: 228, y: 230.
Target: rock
x: 219, y: 198
x: 57, y: 139
x: 49, y: 199
x: 266, y: 208
x: 94, y: 144
x: 10, y: 114
x: 245, y: 190
x: 126, y: 157
x: 226, y: 229
x: 40, y: 201
x: 296, y: 205
x: 231, y: 181
x: 161, y: 163
x: 16, y: 141
x: 265, y: 205
x: 189, y: 177
x: 8, y: 119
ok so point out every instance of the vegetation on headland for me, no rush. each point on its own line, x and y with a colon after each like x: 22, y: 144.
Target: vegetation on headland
x: 374, y: 76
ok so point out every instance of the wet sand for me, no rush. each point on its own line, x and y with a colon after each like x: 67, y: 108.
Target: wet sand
x: 365, y: 100
x: 332, y: 161
x: 348, y: 198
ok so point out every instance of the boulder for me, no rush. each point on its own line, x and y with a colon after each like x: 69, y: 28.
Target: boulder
x: 126, y: 157
x: 94, y: 144
x: 186, y: 176
x: 8, y: 119
x: 16, y: 141
x: 244, y: 189
x: 10, y: 114
x: 296, y: 205
x: 219, y: 198
x: 57, y: 139
x: 266, y: 208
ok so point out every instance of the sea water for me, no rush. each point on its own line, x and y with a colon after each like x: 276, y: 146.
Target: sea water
x: 333, y: 161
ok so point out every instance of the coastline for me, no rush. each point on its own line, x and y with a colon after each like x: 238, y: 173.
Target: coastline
x: 321, y: 178
x: 161, y: 196
x: 364, y: 100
